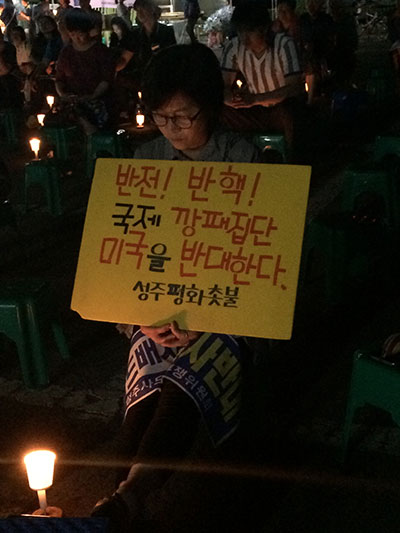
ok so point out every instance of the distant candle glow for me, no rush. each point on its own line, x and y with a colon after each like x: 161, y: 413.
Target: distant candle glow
x: 139, y: 119
x: 35, y: 146
x: 306, y: 87
x: 40, y: 118
x: 54, y: 12
x: 140, y: 95
x: 239, y: 83
x: 50, y: 100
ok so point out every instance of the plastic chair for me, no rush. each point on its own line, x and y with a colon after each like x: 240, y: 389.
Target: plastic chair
x: 44, y: 173
x: 351, y: 252
x: 102, y: 144
x: 372, y: 180
x: 62, y: 138
x: 374, y: 383
x: 273, y: 142
x: 26, y: 309
x: 10, y: 125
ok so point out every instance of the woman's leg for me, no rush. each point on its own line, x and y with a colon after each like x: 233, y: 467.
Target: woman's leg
x: 168, y: 437
x: 134, y: 426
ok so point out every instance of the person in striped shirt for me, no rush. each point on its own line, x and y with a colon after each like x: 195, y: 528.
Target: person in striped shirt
x: 270, y: 66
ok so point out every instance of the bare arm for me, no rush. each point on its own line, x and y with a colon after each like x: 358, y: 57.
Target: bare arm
x: 123, y: 60
x: 100, y: 90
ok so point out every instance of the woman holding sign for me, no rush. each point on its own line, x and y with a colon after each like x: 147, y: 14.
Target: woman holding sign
x: 179, y: 381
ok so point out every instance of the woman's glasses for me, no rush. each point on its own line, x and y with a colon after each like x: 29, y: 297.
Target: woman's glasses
x: 180, y: 121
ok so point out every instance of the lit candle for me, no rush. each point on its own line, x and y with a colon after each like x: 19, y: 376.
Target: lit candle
x: 306, y: 87
x: 139, y: 95
x: 54, y: 12
x: 40, y: 468
x: 50, y: 100
x: 40, y: 118
x: 139, y: 119
x: 239, y: 83
x: 35, y: 146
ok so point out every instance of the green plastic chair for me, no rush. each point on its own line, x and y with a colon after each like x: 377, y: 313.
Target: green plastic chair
x: 351, y: 253
x: 273, y: 142
x: 102, y: 144
x: 374, y: 383
x: 26, y: 311
x: 62, y: 138
x: 10, y: 126
x: 372, y: 180
x: 44, y: 173
x: 386, y: 145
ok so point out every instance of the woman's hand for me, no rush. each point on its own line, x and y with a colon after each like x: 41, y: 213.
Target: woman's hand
x: 245, y: 99
x: 55, y: 512
x: 170, y: 335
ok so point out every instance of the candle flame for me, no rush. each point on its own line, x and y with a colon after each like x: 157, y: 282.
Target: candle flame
x: 306, y: 87
x: 139, y: 119
x: 239, y: 83
x: 50, y: 100
x: 40, y: 468
x: 40, y: 118
x: 35, y: 146
x: 140, y: 95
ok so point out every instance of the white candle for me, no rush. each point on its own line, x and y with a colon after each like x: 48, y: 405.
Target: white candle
x: 50, y: 100
x: 40, y: 118
x: 40, y: 468
x: 42, y: 499
x: 35, y: 147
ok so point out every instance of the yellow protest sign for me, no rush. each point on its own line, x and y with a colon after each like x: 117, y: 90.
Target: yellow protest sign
x: 214, y: 246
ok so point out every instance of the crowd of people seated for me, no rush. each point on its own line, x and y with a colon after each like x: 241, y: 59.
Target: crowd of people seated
x: 275, y: 61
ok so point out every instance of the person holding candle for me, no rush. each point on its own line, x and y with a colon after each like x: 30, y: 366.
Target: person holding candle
x: 270, y: 65
x: 183, y: 94
x: 84, y: 74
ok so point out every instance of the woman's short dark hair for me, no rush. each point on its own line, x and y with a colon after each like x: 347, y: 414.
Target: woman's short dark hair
x: 78, y: 20
x: 20, y: 31
x: 120, y: 22
x: 190, y: 69
x: 251, y: 16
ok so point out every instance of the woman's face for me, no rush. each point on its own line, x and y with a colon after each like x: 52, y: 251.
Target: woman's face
x: 183, y: 139
x: 79, y: 38
x: 117, y: 30
x: 253, y: 41
x: 285, y: 14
